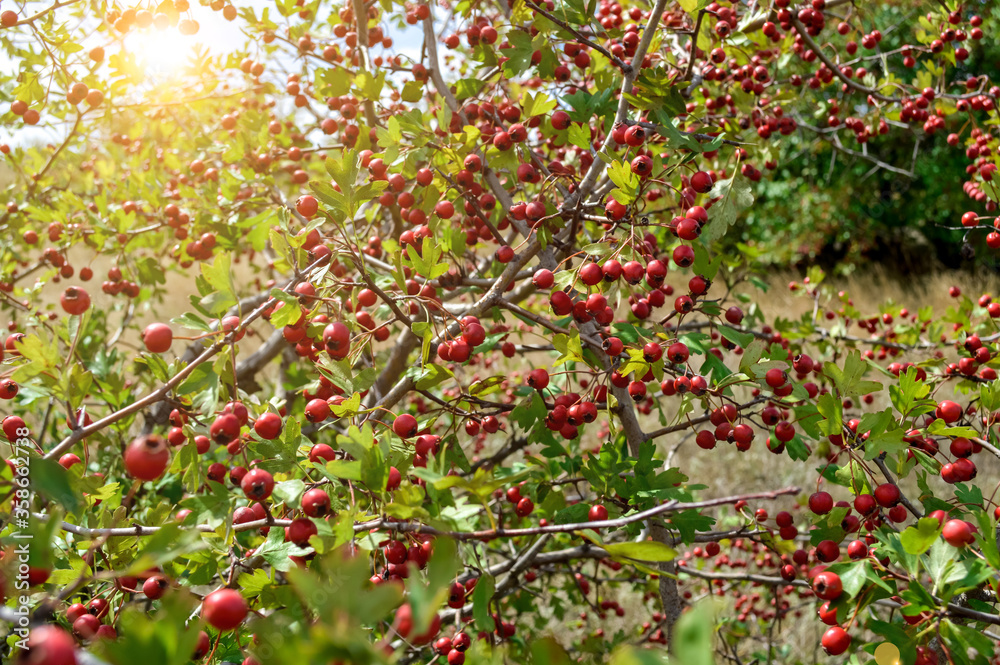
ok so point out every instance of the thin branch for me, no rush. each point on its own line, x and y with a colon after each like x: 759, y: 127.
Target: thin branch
x: 691, y: 422
x: 35, y: 17
x: 694, y: 45
x: 618, y: 62
x: 663, y: 131
x: 832, y: 66
x: 835, y: 142
x: 163, y: 391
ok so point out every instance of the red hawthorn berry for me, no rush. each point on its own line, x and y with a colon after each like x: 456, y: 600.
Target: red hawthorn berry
x: 257, y: 485
x: 958, y: 533
x: 224, y: 609
x: 147, y: 457
x: 836, y: 641
x: 307, y: 206
x: 827, y: 585
x: 268, y: 426
x: 405, y: 426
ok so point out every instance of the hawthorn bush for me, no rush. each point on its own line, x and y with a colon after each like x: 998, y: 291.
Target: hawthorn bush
x: 398, y: 355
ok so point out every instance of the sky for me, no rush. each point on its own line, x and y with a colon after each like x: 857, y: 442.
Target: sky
x: 162, y: 52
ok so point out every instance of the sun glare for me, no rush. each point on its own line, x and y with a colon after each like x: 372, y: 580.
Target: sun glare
x: 163, y: 51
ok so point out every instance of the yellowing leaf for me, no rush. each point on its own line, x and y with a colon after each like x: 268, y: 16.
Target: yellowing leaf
x: 644, y: 551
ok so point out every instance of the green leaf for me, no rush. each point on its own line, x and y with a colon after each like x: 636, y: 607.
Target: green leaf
x: 518, y: 56
x: 200, y: 378
x: 347, y: 470
x: 52, y: 481
x: 575, y: 514
x: 277, y: 552
x: 630, y: 655
x: 252, y: 585
x: 369, y: 85
x: 569, y: 346
x: 668, y: 127
x: 850, y: 381
x: 694, y: 635
x: 161, y: 639
x: 629, y: 333
x: 831, y: 409
x: 910, y: 562
x: 939, y: 428
x: 481, y: 597
x: 708, y: 268
x: 413, y: 91
x: 290, y: 492
x: 167, y: 544
x: 149, y: 271
x: 884, y: 434
x: 918, y: 539
x: 852, y: 475
x: 192, y: 321
x: 909, y: 396
x: 290, y: 311
x: 529, y: 411
x: 220, y: 276
x: 465, y: 88
x: 689, y: 522
x: 344, y: 167
x: 426, y: 598
x: 736, y: 197
x: 735, y: 336
x: 539, y: 104
x: 852, y: 576
x: 626, y: 181
x: 966, y: 644
x: 547, y: 651
x: 579, y: 135
x: 751, y: 355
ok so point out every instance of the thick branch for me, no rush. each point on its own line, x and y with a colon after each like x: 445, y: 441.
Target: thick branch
x: 694, y: 45
x: 621, y: 114
x: 364, y: 57
x: 854, y: 153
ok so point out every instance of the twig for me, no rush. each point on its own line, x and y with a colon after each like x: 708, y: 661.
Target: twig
x: 687, y: 424
x: 694, y: 45
x: 35, y: 17
x: 163, y: 391
x: 851, y: 83
x: 618, y: 62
